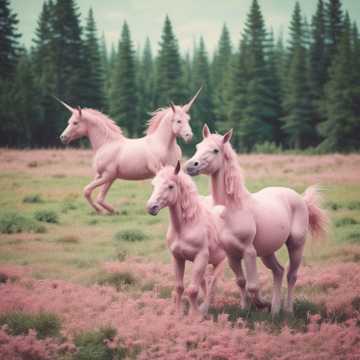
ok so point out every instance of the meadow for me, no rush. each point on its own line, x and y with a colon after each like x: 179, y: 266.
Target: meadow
x: 77, y: 285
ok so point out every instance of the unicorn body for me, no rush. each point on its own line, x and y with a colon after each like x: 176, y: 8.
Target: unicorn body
x: 192, y: 233
x: 257, y: 224
x: 118, y: 157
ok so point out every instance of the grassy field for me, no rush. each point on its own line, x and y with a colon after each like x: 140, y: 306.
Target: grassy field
x: 49, y: 233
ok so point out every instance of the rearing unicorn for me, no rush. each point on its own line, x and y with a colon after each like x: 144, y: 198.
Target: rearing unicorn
x: 118, y: 157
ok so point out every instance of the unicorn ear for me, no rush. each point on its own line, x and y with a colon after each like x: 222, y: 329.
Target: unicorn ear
x: 205, y: 131
x: 177, y: 168
x: 172, y: 107
x: 227, y: 136
x: 79, y: 110
x: 187, y: 106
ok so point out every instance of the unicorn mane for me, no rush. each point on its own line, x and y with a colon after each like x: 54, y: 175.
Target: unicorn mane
x: 107, y: 121
x: 190, y: 203
x: 233, y: 176
x: 156, y: 117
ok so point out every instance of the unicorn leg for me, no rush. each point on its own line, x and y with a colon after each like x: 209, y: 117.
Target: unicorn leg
x: 218, y: 270
x: 252, y: 280
x: 101, y: 197
x: 236, y: 267
x: 179, y: 266
x: 278, y: 272
x: 197, y: 275
x: 90, y: 188
x: 295, y: 257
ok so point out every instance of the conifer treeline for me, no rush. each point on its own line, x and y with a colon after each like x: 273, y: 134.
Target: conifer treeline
x: 302, y: 93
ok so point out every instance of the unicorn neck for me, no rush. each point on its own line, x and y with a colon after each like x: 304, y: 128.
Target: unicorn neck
x: 220, y: 193
x: 99, y: 135
x: 176, y: 217
x: 164, y: 132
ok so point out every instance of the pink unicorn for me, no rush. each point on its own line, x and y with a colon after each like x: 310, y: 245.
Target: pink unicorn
x: 192, y: 234
x: 131, y: 159
x: 257, y: 224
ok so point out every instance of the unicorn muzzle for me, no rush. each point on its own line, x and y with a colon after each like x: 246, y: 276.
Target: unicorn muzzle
x: 64, y: 139
x: 192, y: 167
x: 153, y: 209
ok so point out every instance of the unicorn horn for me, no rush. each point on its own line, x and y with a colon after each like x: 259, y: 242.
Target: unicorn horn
x: 66, y: 105
x: 187, y: 106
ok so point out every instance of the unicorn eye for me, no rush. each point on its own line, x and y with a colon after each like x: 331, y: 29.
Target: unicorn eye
x: 215, y: 151
x: 171, y: 187
x: 75, y: 123
x: 179, y: 121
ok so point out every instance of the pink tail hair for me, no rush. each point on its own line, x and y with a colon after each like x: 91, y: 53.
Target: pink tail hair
x: 318, y: 218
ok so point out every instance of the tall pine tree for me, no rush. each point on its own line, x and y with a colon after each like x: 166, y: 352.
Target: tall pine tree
x: 123, y: 105
x: 169, y: 86
x: 334, y: 26
x: 298, y: 107
x: 94, y: 93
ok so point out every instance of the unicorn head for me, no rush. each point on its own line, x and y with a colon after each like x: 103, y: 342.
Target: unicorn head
x: 173, y: 187
x: 211, y: 153
x: 76, y: 128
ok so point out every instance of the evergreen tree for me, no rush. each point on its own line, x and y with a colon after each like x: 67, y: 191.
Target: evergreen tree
x: 256, y: 123
x: 123, y: 105
x: 187, y: 75
x: 298, y: 108
x: 94, y: 95
x: 318, y: 69
x: 341, y: 128
x: 203, y: 111
x: 237, y: 92
x: 9, y: 36
x: 169, y: 86
x: 44, y: 68
x: 69, y: 54
x: 334, y: 26
x: 221, y: 74
x: 145, y: 86
x: 105, y: 65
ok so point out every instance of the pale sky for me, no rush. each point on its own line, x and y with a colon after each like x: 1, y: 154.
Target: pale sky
x: 190, y: 18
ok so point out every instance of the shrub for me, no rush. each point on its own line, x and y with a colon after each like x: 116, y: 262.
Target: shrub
x: 345, y: 221
x: 48, y: 216
x: 332, y: 205
x: 91, y: 345
x: 11, y: 223
x: 118, y: 280
x: 267, y: 147
x: 353, y: 205
x: 33, y: 199
x: 121, y: 254
x: 19, y: 323
x: 353, y: 237
x: 67, y: 206
x: 3, y: 278
x: 130, y: 235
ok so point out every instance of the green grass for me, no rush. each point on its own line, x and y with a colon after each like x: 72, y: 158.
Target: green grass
x: 33, y: 199
x: 11, y: 223
x: 91, y: 346
x: 19, y: 323
x: 118, y: 280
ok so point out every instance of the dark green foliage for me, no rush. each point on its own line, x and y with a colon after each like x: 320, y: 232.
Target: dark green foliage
x: 267, y: 148
x: 298, y: 107
x: 168, y: 83
x: 48, y: 216
x: 33, y: 199
x: 202, y: 111
x: 345, y: 221
x: 118, y: 280
x: 91, y: 345
x: 130, y: 235
x: 123, y: 88
x: 94, y: 92
x: 19, y: 323
x: 11, y: 223
x: 9, y: 36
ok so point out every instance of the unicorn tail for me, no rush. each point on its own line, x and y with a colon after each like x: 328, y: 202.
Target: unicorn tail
x: 318, y: 218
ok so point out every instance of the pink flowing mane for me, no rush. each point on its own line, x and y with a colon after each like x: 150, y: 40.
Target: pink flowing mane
x: 233, y: 177
x: 157, y: 116
x: 104, y: 119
